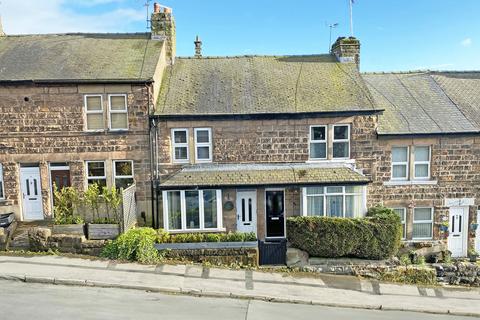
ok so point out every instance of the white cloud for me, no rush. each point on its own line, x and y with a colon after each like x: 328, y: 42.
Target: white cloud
x: 55, y: 16
x: 467, y: 42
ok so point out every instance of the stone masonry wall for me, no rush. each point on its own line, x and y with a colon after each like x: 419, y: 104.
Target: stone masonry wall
x: 44, y: 124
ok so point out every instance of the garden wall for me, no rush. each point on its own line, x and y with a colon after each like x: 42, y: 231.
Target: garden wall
x: 226, y: 256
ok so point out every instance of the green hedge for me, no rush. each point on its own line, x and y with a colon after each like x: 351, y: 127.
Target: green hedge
x: 165, y: 237
x: 376, y: 236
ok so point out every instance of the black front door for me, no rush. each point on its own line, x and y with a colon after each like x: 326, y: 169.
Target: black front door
x: 275, y: 213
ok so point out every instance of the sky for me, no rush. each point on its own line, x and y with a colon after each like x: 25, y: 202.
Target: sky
x: 396, y: 35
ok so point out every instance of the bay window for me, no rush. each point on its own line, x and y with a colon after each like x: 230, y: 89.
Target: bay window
x: 334, y: 201
x: 190, y: 210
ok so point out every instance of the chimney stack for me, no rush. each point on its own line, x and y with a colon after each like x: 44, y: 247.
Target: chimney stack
x: 347, y: 50
x: 163, y: 28
x: 198, y: 47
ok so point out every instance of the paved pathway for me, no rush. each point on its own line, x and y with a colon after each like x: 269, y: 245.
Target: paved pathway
x: 324, y: 290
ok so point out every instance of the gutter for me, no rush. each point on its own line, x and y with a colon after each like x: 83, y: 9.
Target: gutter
x: 76, y: 81
x: 262, y: 185
x: 426, y: 134
x: 270, y: 115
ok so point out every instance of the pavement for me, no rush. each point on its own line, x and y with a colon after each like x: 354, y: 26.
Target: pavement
x: 197, y: 280
x: 46, y: 302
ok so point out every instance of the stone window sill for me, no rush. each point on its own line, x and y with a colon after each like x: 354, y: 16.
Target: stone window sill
x: 409, y: 182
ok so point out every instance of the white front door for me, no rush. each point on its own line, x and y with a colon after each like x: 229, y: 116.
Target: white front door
x: 477, y: 240
x: 31, y: 193
x: 457, y: 237
x: 247, y: 211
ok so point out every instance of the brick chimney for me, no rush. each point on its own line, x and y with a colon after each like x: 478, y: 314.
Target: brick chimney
x: 163, y: 28
x: 347, y: 50
x: 198, y: 47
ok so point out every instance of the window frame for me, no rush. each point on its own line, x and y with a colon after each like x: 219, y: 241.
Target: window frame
x: 87, y: 112
x: 341, y: 140
x: 428, y: 162
x: 403, y: 221
x: 208, y: 144
x: 2, y: 181
x: 110, y: 111
x: 180, y: 144
x: 344, y: 195
x: 400, y: 163
x: 115, y: 177
x: 96, y: 177
x: 184, y: 211
x: 423, y: 221
x: 310, y: 141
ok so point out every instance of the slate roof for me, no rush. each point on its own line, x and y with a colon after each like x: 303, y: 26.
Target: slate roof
x: 78, y: 57
x: 415, y: 103
x: 463, y: 88
x: 262, y: 84
x: 224, y: 175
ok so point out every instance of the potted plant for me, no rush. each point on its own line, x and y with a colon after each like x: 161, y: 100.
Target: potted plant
x: 66, y: 201
x: 473, y: 255
x: 106, y: 225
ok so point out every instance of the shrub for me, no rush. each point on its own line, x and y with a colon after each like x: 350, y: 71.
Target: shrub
x: 134, y: 245
x: 411, y: 275
x: 165, y: 237
x: 376, y: 236
x: 66, y: 202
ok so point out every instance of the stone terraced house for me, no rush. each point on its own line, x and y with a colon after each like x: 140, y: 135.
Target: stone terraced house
x: 242, y: 142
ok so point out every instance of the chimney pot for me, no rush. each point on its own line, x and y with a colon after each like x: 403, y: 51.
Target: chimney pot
x: 156, y: 8
x: 167, y: 10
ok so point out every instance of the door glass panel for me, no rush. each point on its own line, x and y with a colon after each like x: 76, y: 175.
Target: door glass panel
x: 453, y: 224
x: 249, y: 209
x: 459, y: 223
x: 28, y: 186
x: 35, y: 186
x: 243, y: 210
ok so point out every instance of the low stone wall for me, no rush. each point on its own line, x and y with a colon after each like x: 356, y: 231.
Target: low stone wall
x: 5, y: 233
x: 458, y: 273
x: 41, y: 239
x: 227, y: 256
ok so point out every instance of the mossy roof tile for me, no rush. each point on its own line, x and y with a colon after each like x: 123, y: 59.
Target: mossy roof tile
x: 78, y: 57
x: 262, y: 84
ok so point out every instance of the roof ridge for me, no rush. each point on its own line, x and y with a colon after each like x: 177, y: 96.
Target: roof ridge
x: 253, y: 56
x: 74, y: 34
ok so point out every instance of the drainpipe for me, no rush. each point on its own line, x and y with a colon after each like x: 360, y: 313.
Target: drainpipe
x: 151, y: 126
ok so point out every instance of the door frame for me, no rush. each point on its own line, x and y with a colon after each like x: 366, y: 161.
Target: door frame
x: 50, y: 182
x: 22, y: 202
x: 477, y: 233
x: 466, y: 214
x: 284, y: 212
x: 254, y: 214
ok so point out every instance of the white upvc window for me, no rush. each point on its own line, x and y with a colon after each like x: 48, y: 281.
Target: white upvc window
x: 422, y: 223
x: 123, y: 173
x: 341, y: 141
x: 400, y: 163
x: 2, y: 189
x: 203, y: 144
x: 180, y: 152
x: 402, y: 213
x: 318, y: 143
x: 118, y: 112
x: 96, y: 173
x: 94, y: 112
x: 192, y: 210
x: 334, y: 201
x: 421, y: 162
